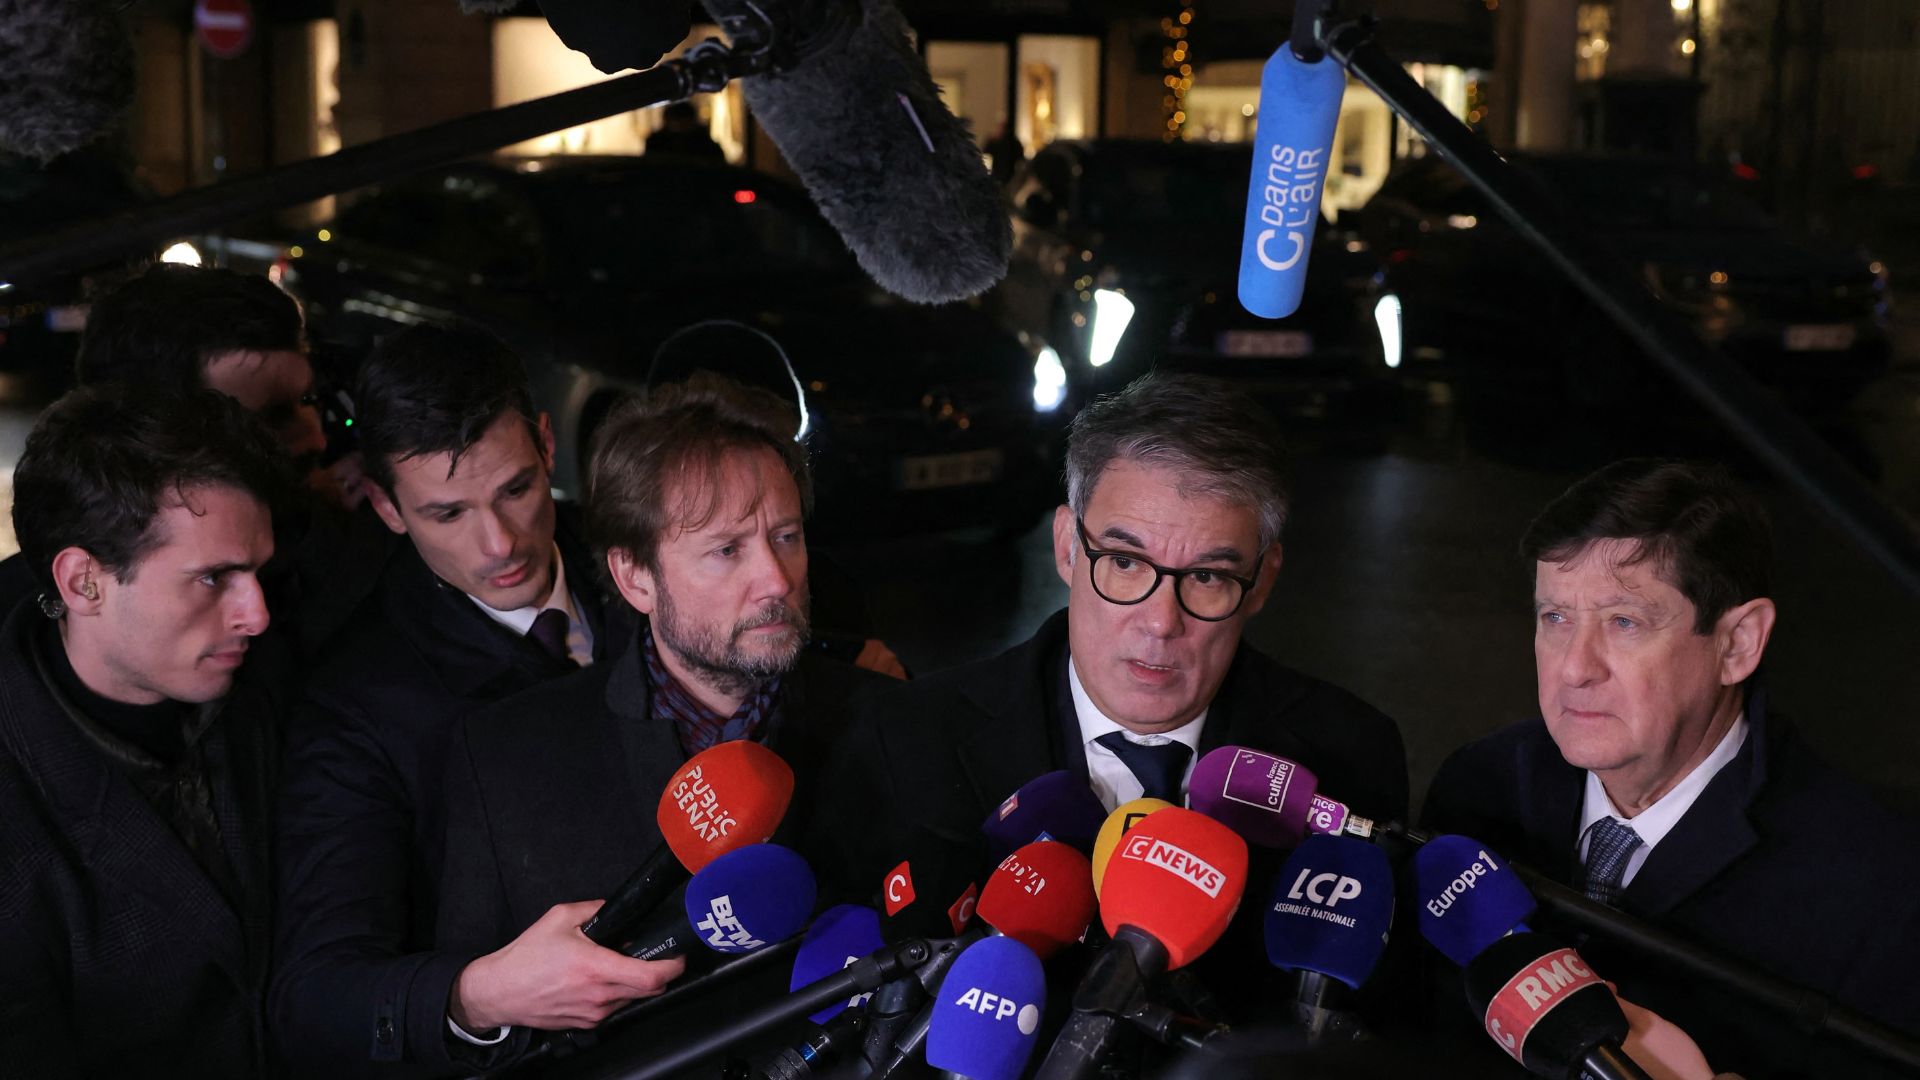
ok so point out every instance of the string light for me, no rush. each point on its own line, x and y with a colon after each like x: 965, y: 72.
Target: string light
x: 1176, y: 59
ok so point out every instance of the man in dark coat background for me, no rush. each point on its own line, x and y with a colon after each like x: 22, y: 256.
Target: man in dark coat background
x: 494, y: 594
x: 1660, y: 780
x: 138, y: 708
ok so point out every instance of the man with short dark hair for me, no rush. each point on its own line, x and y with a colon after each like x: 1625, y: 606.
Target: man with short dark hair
x: 138, y: 741
x: 698, y: 497
x: 494, y: 594
x: 1660, y: 780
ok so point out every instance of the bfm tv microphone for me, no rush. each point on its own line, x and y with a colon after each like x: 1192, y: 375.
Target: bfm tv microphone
x: 1469, y: 897
x: 725, y: 797
x: 987, y: 1017
x: 1549, y: 1011
x: 855, y: 112
x: 1118, y: 824
x: 1327, y: 922
x: 68, y: 75
x: 1170, y: 890
x: 738, y: 903
x: 1292, y: 153
x: 1269, y: 800
x: 1053, y: 806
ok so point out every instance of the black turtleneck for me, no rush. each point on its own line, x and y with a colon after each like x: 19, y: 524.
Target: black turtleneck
x: 158, y: 729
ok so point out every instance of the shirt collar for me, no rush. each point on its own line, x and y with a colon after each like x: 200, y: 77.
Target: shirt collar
x: 1094, y: 723
x: 520, y: 620
x: 1656, y: 821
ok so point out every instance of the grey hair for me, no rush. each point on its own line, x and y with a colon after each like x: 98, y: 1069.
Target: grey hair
x: 1217, y: 439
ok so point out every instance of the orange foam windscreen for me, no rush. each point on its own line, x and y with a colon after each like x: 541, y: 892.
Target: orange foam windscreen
x: 725, y: 797
x: 1041, y: 896
x: 1121, y: 821
x: 1178, y: 876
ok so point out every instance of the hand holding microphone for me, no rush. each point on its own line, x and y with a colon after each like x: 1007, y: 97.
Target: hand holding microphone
x: 1549, y: 1011
x: 552, y: 978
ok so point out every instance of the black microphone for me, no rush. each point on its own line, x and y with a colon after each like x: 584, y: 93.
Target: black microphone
x: 68, y: 75
x: 855, y: 112
x: 1548, y: 1010
x: 615, y: 34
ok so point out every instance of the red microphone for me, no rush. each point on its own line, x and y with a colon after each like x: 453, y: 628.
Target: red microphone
x: 1041, y: 896
x: 725, y: 798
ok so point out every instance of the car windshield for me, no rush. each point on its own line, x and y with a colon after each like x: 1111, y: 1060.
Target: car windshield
x: 678, y: 228
x: 1172, y: 186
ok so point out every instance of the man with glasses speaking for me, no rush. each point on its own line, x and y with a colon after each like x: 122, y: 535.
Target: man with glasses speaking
x: 1169, y: 543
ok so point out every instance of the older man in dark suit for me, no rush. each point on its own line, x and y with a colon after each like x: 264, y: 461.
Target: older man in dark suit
x: 137, y: 751
x: 1660, y: 779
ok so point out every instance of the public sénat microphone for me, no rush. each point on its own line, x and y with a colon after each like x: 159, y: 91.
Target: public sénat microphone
x: 724, y: 798
x: 1549, y: 1011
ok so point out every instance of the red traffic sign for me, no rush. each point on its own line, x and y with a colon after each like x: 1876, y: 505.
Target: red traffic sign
x: 224, y: 27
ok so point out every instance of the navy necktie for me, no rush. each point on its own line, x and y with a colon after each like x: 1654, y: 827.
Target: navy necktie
x: 1160, y: 769
x: 1610, y: 846
x: 549, y: 631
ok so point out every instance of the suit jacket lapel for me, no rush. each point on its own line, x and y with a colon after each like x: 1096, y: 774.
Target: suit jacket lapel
x: 1555, y: 791
x: 1715, y: 832
x: 1011, y: 741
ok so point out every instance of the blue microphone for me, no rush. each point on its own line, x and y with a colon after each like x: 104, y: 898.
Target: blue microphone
x: 1331, y: 909
x: 987, y: 1018
x: 1053, y: 806
x: 1292, y: 153
x: 1469, y: 897
x: 838, y: 937
x: 742, y: 901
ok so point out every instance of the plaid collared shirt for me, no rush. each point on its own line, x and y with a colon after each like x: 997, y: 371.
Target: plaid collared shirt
x: 698, y: 726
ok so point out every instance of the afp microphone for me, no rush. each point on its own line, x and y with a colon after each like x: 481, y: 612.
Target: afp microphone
x: 1053, y: 806
x: 724, y: 798
x: 987, y: 1017
x: 740, y: 902
x: 1328, y: 921
x: 1469, y: 897
x: 1292, y: 151
x: 1549, y: 1011
x: 854, y: 111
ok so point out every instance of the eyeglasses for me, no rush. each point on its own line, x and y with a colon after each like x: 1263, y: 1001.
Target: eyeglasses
x: 1205, y: 593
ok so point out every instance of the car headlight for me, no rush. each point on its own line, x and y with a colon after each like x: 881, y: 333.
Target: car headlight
x: 1386, y: 317
x: 183, y: 253
x: 1111, y: 314
x: 1049, y: 380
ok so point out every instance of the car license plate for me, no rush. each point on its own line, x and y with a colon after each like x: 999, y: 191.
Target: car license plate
x: 1266, y: 343
x: 949, y: 470
x: 1837, y: 337
x: 67, y: 318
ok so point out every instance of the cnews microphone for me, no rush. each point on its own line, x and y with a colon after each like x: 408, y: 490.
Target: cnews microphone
x: 738, y: 903
x: 853, y: 109
x: 725, y: 797
x: 1549, y: 1011
x: 1292, y: 152
x: 1328, y: 921
x: 987, y: 1017
x: 1469, y: 897
x: 838, y: 938
x: 1053, y: 806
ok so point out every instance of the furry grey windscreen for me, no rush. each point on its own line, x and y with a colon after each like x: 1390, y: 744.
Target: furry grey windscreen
x: 487, y: 7
x: 66, y: 74
x: 930, y: 227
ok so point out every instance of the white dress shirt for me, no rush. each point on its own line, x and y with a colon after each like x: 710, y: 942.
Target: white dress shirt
x: 1112, y: 781
x: 1656, y: 821
x: 520, y: 620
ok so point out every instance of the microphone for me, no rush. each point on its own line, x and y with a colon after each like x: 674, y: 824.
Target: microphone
x: 1170, y: 890
x: 1053, y: 806
x: 1118, y: 824
x: 1549, y: 1011
x: 738, y: 903
x: 1328, y: 921
x: 725, y: 797
x: 854, y: 111
x: 1269, y: 800
x: 1292, y: 153
x: 986, y: 1020
x: 69, y: 75
x: 838, y: 938
x: 931, y: 894
x: 1469, y: 897
x: 614, y: 34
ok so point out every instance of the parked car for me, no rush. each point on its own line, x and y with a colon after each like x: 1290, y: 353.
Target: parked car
x: 1461, y: 296
x: 1127, y: 257
x: 918, y: 416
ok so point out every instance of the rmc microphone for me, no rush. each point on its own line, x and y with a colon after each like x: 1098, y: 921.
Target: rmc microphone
x: 724, y: 798
x: 1053, y: 806
x: 1327, y: 922
x: 740, y: 902
x: 1292, y: 153
x: 1469, y: 897
x: 987, y: 1016
x: 1549, y: 1011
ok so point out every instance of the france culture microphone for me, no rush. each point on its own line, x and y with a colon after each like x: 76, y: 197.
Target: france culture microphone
x: 740, y: 902
x: 1292, y: 152
x: 1327, y: 922
x: 1469, y: 897
x: 1549, y: 1011
x: 1053, y: 806
x: 724, y: 798
x: 1269, y: 800
x: 1118, y: 824
x: 987, y: 1017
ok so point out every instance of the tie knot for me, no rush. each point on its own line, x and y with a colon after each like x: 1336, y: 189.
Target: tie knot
x: 1160, y: 768
x: 549, y: 631
x: 1610, y: 847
